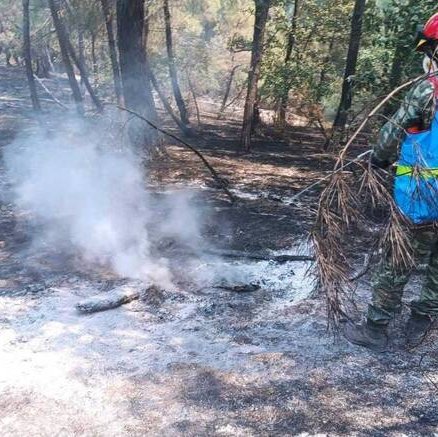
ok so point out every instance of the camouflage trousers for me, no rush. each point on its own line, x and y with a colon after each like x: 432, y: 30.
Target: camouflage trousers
x: 389, y: 283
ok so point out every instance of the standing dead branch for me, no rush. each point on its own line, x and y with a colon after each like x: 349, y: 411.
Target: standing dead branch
x: 227, y: 92
x: 187, y: 130
x: 195, y: 100
x: 222, y: 183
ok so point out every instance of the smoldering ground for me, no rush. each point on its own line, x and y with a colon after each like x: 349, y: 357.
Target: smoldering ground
x: 87, y: 195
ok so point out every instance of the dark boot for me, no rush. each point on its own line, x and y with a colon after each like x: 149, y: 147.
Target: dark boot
x: 417, y: 328
x: 369, y: 335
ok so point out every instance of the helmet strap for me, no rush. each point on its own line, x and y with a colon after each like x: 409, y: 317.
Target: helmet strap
x: 431, y: 52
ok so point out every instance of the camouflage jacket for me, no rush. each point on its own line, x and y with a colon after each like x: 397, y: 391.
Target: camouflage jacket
x: 417, y: 109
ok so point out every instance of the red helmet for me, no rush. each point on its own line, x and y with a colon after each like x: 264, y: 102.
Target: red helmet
x: 428, y: 36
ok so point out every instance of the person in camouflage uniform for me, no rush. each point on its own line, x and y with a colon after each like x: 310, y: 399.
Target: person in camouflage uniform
x: 415, y: 114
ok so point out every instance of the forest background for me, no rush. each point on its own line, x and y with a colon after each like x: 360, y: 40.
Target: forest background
x: 315, y: 62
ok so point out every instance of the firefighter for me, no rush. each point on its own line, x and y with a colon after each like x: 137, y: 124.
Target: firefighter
x: 413, y: 126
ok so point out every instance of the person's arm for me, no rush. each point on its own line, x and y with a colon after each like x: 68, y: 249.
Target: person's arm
x: 416, y: 110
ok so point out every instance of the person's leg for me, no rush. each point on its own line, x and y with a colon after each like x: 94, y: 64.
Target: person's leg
x: 427, y: 304
x: 424, y: 308
x: 388, y: 284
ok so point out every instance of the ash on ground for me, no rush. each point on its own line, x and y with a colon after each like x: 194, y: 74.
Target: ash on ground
x: 194, y: 360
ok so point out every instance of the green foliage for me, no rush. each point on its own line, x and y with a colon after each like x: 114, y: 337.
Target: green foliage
x: 314, y: 73
x: 211, y: 38
x: 316, y: 62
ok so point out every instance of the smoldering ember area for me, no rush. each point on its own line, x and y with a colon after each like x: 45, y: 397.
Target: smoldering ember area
x: 218, y: 218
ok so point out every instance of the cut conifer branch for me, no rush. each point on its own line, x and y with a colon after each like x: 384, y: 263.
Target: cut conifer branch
x: 340, y: 212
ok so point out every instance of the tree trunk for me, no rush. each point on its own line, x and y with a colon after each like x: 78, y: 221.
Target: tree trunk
x: 289, y: 48
x: 136, y: 85
x: 324, y: 69
x: 94, y: 60
x: 195, y: 100
x: 44, y: 66
x: 48, y: 56
x: 108, y: 15
x: 400, y: 61
x: 261, y: 17
x: 28, y: 57
x: 227, y: 92
x: 396, y: 73
x: 62, y: 37
x: 350, y: 69
x: 8, y: 56
x: 172, y: 67
x: 84, y: 75
x: 81, y: 49
x: 166, y: 104
x: 397, y: 65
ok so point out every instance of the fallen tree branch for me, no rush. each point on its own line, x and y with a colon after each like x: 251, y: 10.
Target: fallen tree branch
x: 49, y: 92
x: 108, y: 301
x: 222, y: 183
x: 260, y: 256
x: 240, y: 288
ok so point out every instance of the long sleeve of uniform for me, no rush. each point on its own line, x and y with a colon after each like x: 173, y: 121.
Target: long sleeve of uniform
x: 416, y: 110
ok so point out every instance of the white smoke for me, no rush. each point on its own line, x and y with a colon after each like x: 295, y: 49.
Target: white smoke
x: 92, y: 198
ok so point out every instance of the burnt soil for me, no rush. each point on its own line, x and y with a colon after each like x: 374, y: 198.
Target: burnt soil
x: 197, y: 362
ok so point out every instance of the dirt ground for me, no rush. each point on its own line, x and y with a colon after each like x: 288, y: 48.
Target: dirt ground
x: 197, y: 361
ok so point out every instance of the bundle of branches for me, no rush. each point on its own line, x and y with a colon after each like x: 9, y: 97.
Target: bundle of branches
x: 346, y: 208
x: 345, y: 215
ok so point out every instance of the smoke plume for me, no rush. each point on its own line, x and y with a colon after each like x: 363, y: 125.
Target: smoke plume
x: 91, y: 197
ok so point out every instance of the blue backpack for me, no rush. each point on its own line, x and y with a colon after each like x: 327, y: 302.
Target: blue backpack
x: 416, y: 181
